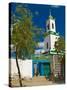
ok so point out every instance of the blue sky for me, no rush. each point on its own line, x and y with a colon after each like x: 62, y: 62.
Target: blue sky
x: 40, y: 15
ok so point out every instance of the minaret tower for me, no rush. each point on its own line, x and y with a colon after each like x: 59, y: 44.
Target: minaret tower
x: 50, y: 24
x: 50, y: 35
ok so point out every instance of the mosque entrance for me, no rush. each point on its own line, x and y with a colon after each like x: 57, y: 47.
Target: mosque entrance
x: 41, y: 69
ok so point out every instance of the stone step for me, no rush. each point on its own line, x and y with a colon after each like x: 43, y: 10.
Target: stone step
x: 39, y: 78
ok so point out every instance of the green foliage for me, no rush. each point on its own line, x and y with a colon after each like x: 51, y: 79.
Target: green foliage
x: 22, y: 33
x: 60, y: 45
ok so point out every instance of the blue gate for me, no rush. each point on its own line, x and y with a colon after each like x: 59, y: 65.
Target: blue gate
x: 41, y: 67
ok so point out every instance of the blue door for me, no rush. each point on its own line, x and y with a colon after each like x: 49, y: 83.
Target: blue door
x: 47, y: 69
x: 44, y: 69
x: 41, y: 67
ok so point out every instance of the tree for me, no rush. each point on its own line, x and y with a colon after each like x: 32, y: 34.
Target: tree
x: 60, y: 45
x: 60, y: 48
x: 22, y: 35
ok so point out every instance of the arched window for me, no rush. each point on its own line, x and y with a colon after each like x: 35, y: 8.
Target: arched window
x: 52, y: 26
x: 47, y: 45
x: 48, y: 26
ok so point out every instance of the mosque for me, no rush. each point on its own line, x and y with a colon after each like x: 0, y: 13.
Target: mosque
x: 49, y: 64
x: 45, y: 67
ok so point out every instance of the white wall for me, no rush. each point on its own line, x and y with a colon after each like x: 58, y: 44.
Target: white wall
x: 50, y: 21
x: 51, y: 42
x: 52, y: 29
x: 47, y: 39
x: 53, y: 38
x: 25, y: 68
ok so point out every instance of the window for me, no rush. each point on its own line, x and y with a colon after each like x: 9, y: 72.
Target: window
x: 52, y: 26
x: 56, y: 38
x: 48, y: 26
x: 47, y: 45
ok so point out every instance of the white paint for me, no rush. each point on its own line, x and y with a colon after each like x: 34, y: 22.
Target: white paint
x: 47, y: 40
x: 25, y: 68
x: 51, y: 38
x: 50, y: 22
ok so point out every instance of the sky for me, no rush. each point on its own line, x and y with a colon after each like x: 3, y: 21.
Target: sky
x: 41, y: 13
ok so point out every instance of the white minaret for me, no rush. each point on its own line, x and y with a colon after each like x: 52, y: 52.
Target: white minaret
x: 50, y: 24
x: 50, y: 35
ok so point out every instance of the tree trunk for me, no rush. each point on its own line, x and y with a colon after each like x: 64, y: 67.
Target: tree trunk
x: 10, y: 73
x: 20, y: 79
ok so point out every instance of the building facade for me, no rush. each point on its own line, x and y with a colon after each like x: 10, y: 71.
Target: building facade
x: 51, y: 36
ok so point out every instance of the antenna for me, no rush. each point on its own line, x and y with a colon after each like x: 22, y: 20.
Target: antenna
x: 50, y: 12
x: 50, y: 16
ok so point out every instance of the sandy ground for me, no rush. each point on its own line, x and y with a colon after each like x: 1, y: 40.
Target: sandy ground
x: 35, y: 81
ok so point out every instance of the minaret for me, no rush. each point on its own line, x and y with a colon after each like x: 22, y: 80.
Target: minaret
x: 50, y: 35
x: 50, y: 24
